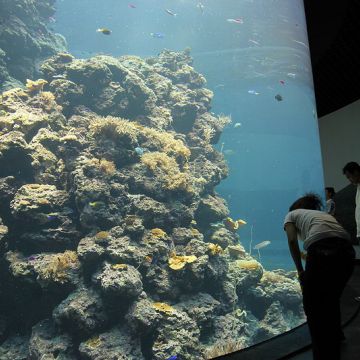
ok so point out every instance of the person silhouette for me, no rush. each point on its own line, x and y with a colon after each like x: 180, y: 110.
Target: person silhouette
x: 329, y: 265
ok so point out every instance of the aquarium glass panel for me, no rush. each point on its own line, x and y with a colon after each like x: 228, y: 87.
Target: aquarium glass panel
x: 149, y: 152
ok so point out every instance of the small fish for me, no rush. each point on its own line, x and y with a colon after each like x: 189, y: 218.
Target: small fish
x: 301, y: 43
x: 235, y: 21
x: 61, y: 76
x: 278, y: 97
x: 193, y: 222
x: 241, y: 222
x: 51, y: 217
x: 262, y: 244
x: 236, y: 125
x: 96, y: 204
x: 170, y: 12
x: 229, y: 152
x: 139, y: 150
x: 291, y: 75
x: 32, y: 258
x: 254, y: 42
x: 104, y: 31
x: 253, y: 92
x: 201, y: 7
x: 132, y: 6
x: 148, y: 259
x: 174, y: 357
x: 219, y: 86
x: 282, y: 82
x: 157, y: 35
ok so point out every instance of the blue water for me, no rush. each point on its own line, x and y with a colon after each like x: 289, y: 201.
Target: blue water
x: 273, y: 152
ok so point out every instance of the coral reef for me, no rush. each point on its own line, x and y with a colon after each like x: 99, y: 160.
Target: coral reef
x: 113, y: 241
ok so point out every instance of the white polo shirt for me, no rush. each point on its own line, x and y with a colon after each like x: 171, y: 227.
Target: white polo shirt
x: 357, y: 211
x: 314, y: 225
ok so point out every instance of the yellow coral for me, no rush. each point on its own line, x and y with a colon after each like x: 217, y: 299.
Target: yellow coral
x: 130, y: 219
x: 158, y: 233
x: 236, y: 251
x: 195, y: 232
x: 233, y: 225
x: 34, y: 86
x: 93, y: 342
x: 65, y: 57
x: 271, y: 277
x: 177, y: 262
x: 102, y: 235
x: 119, y: 266
x: 166, y: 168
x: 215, y: 249
x: 56, y: 269
x: 163, y: 307
x: 248, y: 264
x: 43, y: 201
x: 106, y: 166
x: 69, y: 137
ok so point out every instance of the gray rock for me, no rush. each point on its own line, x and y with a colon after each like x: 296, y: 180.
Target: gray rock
x: 119, y: 281
x: 81, y: 313
x: 15, y: 348
x: 201, y: 308
x: 47, y: 343
x: 116, y: 344
x: 177, y: 334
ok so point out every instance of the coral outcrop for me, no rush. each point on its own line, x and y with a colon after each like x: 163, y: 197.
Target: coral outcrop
x: 25, y: 39
x: 112, y: 237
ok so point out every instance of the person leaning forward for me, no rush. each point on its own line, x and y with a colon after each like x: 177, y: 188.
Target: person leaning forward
x: 352, y: 171
x: 329, y: 265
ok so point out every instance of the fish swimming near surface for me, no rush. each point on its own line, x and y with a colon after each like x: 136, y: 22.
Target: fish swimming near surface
x: 157, y: 35
x: 236, y: 125
x: 278, y: 97
x: 170, y: 12
x: 104, y: 31
x: 201, y: 7
x: 291, y: 75
x: 262, y: 244
x: 282, y: 82
x: 253, y: 92
x: 132, y: 6
x: 254, y: 42
x: 235, y: 21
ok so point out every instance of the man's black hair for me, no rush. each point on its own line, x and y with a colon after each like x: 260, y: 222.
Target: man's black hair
x: 351, y: 167
x: 309, y: 201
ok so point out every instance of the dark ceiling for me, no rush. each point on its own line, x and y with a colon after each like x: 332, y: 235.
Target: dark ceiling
x: 334, y: 38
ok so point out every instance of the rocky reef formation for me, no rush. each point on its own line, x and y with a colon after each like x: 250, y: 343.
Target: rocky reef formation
x: 112, y: 238
x: 25, y: 39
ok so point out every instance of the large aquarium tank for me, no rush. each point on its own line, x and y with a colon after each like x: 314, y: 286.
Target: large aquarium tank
x: 149, y: 152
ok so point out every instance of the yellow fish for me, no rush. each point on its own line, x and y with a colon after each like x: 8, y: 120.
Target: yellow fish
x: 104, y: 31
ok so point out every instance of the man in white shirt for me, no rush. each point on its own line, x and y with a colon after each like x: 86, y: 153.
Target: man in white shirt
x: 352, y: 171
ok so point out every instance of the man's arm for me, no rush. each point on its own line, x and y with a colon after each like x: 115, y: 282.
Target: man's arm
x: 294, y: 246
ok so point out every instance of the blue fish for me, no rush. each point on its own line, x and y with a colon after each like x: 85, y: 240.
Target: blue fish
x: 174, y: 357
x: 139, y: 150
x: 157, y: 35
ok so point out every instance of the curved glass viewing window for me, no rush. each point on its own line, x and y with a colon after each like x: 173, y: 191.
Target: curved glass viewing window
x: 149, y: 152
